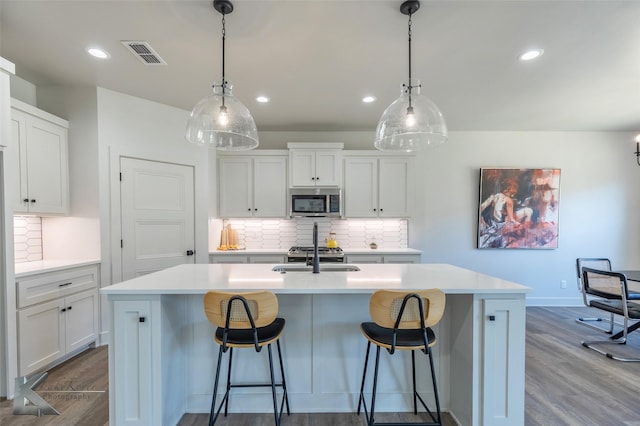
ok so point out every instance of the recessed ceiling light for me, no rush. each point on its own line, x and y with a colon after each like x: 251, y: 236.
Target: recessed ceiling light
x: 368, y: 99
x: 98, y: 53
x: 531, y: 54
x: 262, y: 99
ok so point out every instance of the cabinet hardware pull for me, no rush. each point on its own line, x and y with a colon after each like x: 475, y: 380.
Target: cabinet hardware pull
x: 26, y: 200
x: 63, y: 310
x: 64, y: 285
x: 33, y: 200
x: 142, y: 319
x: 313, y: 178
x: 190, y: 252
x: 375, y: 210
x: 69, y: 308
x: 492, y: 317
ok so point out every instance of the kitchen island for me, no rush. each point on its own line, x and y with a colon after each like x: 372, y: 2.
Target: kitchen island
x: 162, y: 355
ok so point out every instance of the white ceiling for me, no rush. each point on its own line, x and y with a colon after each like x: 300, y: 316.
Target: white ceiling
x: 316, y: 59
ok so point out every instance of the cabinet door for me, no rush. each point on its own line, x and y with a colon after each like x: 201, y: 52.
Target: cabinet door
x: 41, y: 336
x: 360, y: 187
x: 133, y: 387
x: 328, y: 167
x: 19, y: 144
x: 267, y: 258
x: 503, y: 362
x: 81, y: 319
x: 234, y: 189
x: 270, y: 187
x: 364, y: 258
x: 47, y: 170
x: 401, y: 258
x: 302, y: 167
x: 393, y: 187
x: 228, y: 258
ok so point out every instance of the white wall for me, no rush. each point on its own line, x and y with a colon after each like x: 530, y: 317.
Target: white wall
x: 76, y: 236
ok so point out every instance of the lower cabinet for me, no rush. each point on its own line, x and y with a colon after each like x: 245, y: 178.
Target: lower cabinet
x: 502, y: 366
x: 131, y: 391
x: 383, y: 258
x: 62, y: 320
x: 246, y: 258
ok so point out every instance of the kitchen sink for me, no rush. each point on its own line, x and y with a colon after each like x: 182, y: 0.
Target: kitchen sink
x: 324, y: 267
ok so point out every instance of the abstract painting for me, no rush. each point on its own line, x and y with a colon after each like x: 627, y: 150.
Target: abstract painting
x: 518, y: 208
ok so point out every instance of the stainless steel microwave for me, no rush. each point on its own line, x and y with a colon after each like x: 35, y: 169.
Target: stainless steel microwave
x: 315, y: 202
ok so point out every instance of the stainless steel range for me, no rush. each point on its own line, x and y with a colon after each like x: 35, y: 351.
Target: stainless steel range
x: 299, y: 254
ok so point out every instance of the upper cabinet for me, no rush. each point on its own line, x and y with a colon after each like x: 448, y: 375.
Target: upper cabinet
x: 41, y: 138
x: 377, y: 187
x: 315, y: 164
x: 252, y: 186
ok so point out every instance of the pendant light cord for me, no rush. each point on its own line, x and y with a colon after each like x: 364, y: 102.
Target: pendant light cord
x: 410, y: 53
x: 224, y: 82
x: 410, y: 87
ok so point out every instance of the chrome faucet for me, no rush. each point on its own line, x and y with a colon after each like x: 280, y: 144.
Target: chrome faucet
x: 316, y: 258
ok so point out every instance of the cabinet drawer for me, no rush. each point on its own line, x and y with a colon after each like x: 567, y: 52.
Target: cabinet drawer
x: 51, y: 285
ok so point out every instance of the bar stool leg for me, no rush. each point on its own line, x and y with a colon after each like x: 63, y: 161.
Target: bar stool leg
x: 273, y: 387
x: 284, y: 383
x: 212, y: 414
x: 226, y: 403
x: 375, y: 385
x: 435, y: 386
x: 413, y: 373
x: 364, y: 375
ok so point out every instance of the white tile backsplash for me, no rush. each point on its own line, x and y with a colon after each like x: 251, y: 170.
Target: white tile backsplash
x: 351, y: 233
x: 27, y: 236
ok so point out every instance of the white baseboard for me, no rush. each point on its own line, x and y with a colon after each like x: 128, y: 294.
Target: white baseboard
x: 554, y: 301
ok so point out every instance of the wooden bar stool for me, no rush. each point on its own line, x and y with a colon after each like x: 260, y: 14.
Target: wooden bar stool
x: 403, y: 321
x: 245, y: 320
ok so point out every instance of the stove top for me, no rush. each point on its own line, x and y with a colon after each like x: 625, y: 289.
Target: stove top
x: 325, y: 251
x: 305, y: 254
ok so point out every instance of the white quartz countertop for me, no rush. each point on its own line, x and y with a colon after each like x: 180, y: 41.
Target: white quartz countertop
x: 24, y: 269
x: 346, y: 250
x: 200, y: 278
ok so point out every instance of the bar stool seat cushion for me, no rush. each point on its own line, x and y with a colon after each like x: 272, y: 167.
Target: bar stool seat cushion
x: 244, y: 336
x: 404, y: 337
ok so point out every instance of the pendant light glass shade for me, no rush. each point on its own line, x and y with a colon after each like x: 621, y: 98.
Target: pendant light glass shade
x: 222, y: 121
x: 410, y: 123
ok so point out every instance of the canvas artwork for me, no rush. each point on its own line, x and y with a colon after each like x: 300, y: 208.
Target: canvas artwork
x: 519, y: 208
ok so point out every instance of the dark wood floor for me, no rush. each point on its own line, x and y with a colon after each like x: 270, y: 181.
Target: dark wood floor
x: 566, y: 384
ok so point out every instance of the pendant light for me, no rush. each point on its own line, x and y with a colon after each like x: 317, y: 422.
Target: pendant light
x: 221, y: 120
x: 412, y: 121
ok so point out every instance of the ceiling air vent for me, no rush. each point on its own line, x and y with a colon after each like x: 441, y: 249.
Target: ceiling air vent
x: 143, y: 51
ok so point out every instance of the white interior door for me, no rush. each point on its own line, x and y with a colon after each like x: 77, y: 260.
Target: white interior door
x: 157, y: 216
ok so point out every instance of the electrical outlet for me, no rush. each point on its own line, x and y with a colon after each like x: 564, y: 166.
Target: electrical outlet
x: 563, y: 284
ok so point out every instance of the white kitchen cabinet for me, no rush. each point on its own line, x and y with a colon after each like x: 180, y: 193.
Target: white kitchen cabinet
x: 502, y: 366
x: 377, y: 187
x: 382, y: 258
x: 311, y: 167
x: 252, y: 186
x: 131, y: 392
x: 57, y: 316
x: 246, y: 258
x: 41, y: 138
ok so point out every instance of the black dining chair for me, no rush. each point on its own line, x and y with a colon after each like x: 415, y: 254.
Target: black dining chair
x: 608, y: 292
